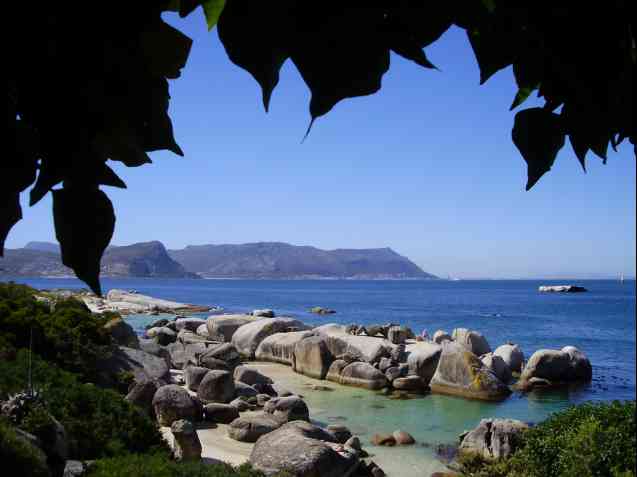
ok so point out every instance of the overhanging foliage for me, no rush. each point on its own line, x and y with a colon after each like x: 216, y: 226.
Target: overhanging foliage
x: 88, y: 84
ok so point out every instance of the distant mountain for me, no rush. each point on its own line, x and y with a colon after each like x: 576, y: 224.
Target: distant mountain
x: 147, y: 259
x: 282, y: 260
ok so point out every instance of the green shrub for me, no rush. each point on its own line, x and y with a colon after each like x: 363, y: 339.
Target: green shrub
x: 588, y: 440
x: 19, y: 456
x: 99, y: 422
x: 70, y: 335
x: 160, y: 466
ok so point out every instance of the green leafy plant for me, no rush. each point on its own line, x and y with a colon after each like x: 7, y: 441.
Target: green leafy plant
x: 19, y: 455
x: 111, y: 103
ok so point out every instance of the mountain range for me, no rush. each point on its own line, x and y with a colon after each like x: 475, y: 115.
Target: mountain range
x: 274, y: 260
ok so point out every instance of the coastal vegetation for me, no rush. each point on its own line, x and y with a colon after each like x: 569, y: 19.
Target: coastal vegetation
x: 591, y: 439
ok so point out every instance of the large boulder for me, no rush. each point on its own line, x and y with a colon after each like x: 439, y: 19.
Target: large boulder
x: 279, y: 347
x: 366, y: 348
x: 222, y: 327
x: 186, y: 337
x: 162, y: 335
x: 225, y: 352
x: 190, y: 324
x: 152, y: 347
x: 250, y: 428
x: 220, y: 413
x: 423, y: 359
x: 142, y: 365
x: 291, y: 408
x: 182, y: 354
x: 172, y: 402
x: 193, y: 375
x: 248, y: 337
x: 472, y: 340
x: 556, y: 367
x: 302, y: 450
x: 512, y: 355
x: 461, y: 373
x: 244, y: 390
x: 216, y: 386
x: 312, y: 357
x: 185, y: 445
x: 335, y: 370
x: 250, y: 376
x: 122, y: 333
x: 141, y: 394
x: 441, y: 336
x: 202, y: 330
x: 493, y: 438
x: 363, y: 375
x: 497, y: 365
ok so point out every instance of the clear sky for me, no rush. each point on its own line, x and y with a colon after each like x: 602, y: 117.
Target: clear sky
x: 426, y: 166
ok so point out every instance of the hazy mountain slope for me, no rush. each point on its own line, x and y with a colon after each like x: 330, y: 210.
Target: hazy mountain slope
x: 281, y: 260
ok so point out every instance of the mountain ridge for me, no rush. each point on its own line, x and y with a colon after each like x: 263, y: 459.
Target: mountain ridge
x: 259, y: 260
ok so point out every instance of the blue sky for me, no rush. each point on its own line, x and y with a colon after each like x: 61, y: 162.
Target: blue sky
x: 426, y: 166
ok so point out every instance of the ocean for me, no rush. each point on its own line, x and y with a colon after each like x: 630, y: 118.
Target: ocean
x: 600, y: 322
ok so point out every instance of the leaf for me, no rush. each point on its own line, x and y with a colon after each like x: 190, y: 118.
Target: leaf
x: 51, y: 174
x: 528, y: 70
x: 122, y: 143
x: 108, y: 177
x: 341, y: 57
x: 538, y: 134
x: 84, y: 224
x: 10, y: 214
x: 157, y: 132
x: 263, y: 51
x: 165, y: 49
x: 185, y: 7
x: 212, y: 9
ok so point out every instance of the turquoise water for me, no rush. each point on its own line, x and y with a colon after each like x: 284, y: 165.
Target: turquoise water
x: 600, y: 322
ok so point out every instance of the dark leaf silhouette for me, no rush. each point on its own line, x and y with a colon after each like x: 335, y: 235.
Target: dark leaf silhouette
x: 10, y: 214
x: 165, y: 49
x: 538, y: 134
x: 84, y: 224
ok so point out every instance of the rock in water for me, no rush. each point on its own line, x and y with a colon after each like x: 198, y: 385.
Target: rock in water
x: 493, y: 438
x: 461, y: 373
x: 172, y: 403
x: 186, y: 442
x: 363, y: 375
x: 423, y: 360
x: 250, y: 428
x: 264, y: 313
x: 248, y: 337
x: 279, y: 347
x: 383, y: 440
x: 440, y: 336
x: 561, y: 289
x: 285, y: 409
x: 300, y: 449
x: 403, y: 438
x: 312, y: 357
x: 222, y: 327
x: 512, y: 356
x: 557, y: 367
x: 472, y: 340
x: 409, y: 383
x: 497, y: 365
x: 250, y: 376
x: 216, y: 386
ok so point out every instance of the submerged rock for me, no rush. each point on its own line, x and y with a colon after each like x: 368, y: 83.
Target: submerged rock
x: 403, y: 438
x: 461, y: 373
x: 493, y: 438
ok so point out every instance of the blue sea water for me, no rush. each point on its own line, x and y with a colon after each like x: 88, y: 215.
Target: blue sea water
x: 600, y: 322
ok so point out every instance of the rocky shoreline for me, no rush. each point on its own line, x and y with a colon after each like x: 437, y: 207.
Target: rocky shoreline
x: 214, y: 371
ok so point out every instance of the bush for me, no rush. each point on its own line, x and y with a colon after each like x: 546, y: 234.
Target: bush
x: 67, y: 334
x: 582, y: 441
x: 99, y: 422
x: 160, y: 466
x: 19, y: 456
